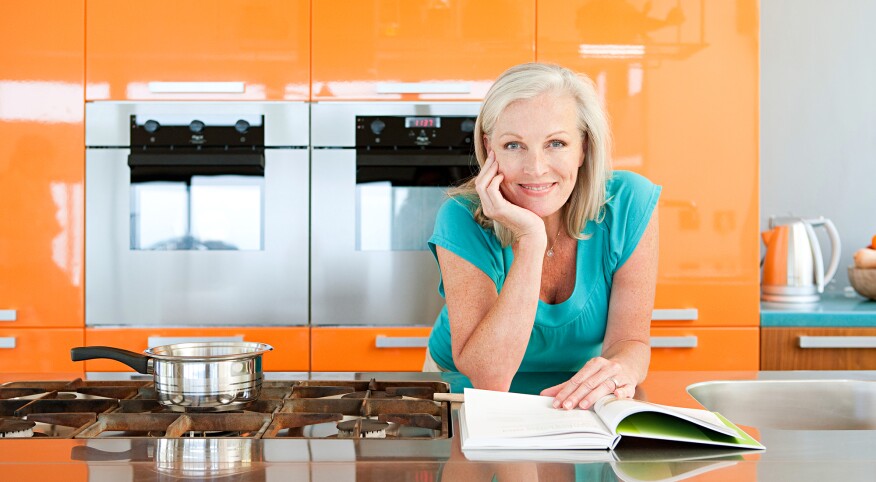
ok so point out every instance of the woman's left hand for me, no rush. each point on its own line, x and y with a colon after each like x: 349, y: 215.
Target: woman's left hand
x: 599, y: 377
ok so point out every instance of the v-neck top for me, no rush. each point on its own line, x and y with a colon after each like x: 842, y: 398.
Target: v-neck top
x: 568, y: 334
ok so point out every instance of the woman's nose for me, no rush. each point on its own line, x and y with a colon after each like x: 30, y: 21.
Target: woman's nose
x: 536, y: 164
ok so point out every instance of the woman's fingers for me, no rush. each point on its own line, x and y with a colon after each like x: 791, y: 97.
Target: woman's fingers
x: 598, y: 378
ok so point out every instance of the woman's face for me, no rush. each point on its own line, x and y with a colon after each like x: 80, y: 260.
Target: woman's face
x: 539, y: 150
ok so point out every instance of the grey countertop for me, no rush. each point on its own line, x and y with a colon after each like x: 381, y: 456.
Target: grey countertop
x: 790, y: 455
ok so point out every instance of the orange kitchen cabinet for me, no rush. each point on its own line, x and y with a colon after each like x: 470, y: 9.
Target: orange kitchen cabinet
x: 365, y: 349
x: 42, y: 165
x: 291, y: 351
x: 733, y: 348
x: 416, y: 49
x: 45, y: 350
x: 221, y: 49
x: 680, y: 82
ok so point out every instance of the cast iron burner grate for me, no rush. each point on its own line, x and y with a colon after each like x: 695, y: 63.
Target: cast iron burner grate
x: 286, y: 409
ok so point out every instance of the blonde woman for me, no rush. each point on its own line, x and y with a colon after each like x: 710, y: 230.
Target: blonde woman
x: 548, y: 258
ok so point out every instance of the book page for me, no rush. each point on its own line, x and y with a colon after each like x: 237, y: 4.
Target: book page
x: 613, y: 410
x: 491, y: 414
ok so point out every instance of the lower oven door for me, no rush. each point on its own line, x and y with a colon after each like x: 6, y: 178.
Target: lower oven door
x: 133, y: 281
x: 371, y: 264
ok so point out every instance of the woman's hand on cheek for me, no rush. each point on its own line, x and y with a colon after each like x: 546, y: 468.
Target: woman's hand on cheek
x: 598, y: 378
x: 522, y: 222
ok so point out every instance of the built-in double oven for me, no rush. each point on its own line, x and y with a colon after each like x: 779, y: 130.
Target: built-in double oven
x: 249, y: 214
x: 196, y: 214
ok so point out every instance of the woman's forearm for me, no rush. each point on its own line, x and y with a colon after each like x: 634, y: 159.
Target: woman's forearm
x: 493, y: 353
x: 633, y: 355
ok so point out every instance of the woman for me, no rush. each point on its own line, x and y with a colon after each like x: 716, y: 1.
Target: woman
x: 548, y: 259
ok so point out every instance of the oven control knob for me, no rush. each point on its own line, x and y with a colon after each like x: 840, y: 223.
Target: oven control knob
x: 151, y: 126
x: 467, y: 125
x: 241, y: 126
x: 377, y: 126
x: 196, y: 126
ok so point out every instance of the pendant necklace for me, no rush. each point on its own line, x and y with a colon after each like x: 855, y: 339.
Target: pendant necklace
x: 550, y: 252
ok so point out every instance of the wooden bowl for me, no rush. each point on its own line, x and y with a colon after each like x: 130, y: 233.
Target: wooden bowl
x: 864, y: 281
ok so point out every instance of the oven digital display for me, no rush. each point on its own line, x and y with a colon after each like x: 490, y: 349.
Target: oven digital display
x: 431, y: 122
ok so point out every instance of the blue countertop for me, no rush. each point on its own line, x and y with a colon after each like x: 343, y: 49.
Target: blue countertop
x: 834, y: 310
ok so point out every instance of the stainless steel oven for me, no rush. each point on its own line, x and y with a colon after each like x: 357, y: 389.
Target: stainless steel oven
x: 379, y: 174
x: 196, y: 214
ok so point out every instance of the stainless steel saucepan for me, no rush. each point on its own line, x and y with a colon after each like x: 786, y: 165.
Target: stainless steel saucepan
x: 194, y: 377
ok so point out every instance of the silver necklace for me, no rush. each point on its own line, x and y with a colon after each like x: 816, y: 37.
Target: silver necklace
x: 550, y: 252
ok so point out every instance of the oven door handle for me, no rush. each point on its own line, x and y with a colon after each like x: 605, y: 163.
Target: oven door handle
x: 383, y: 341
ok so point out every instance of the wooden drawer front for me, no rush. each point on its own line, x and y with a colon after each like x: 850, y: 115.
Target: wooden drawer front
x: 39, y: 350
x: 818, y: 348
x: 369, y: 349
x: 704, y: 348
x: 290, y: 354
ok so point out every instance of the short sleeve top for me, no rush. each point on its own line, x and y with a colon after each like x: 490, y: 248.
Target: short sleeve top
x: 568, y: 334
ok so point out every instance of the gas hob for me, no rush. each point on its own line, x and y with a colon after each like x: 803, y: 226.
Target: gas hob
x: 80, y: 409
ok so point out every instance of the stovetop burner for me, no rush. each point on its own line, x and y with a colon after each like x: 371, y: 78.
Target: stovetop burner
x: 286, y: 409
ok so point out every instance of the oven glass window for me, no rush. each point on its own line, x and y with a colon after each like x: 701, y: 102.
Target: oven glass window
x: 207, y: 213
x: 395, y: 218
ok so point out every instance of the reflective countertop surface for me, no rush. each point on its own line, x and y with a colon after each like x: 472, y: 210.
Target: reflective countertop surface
x: 790, y: 455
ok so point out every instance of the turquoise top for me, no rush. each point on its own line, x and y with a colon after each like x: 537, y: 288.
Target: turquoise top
x: 567, y: 334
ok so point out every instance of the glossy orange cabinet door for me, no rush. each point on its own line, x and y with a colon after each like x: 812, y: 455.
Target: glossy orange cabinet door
x: 42, y: 164
x: 417, y: 49
x: 734, y: 348
x: 680, y: 81
x: 45, y: 350
x: 291, y: 351
x: 361, y: 349
x: 219, y: 49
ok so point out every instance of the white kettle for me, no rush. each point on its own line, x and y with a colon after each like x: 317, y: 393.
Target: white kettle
x: 793, y: 268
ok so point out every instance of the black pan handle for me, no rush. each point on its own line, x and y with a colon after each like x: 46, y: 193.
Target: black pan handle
x: 138, y: 362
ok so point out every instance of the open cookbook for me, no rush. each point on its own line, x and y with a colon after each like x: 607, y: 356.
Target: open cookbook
x: 492, y: 420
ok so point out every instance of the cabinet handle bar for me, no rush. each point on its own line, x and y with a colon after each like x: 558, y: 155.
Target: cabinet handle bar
x: 401, y: 341
x: 838, y: 342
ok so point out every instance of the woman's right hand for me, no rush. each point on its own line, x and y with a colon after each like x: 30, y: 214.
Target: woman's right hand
x: 523, y: 223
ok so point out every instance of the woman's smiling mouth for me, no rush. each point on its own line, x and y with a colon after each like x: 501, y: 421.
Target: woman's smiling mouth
x: 538, y: 188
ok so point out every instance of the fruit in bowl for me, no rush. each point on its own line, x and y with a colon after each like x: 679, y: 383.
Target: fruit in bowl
x: 862, y: 275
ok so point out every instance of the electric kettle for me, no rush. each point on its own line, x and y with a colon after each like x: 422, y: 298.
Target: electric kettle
x: 793, y: 268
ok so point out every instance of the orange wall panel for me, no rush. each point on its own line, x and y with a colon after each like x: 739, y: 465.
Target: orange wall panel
x: 717, y: 349
x: 358, y: 45
x: 345, y: 349
x: 40, y: 351
x: 264, y: 44
x: 291, y: 344
x: 42, y: 163
x: 680, y: 82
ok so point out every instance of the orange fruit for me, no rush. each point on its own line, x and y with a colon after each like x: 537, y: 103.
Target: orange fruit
x: 873, y: 242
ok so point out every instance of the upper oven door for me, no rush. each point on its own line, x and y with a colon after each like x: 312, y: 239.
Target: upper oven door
x: 251, y: 268
x: 372, y: 216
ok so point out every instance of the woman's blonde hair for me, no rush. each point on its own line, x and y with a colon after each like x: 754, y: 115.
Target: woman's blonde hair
x: 526, y: 81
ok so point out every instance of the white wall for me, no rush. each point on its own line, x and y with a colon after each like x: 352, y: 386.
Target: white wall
x: 818, y: 116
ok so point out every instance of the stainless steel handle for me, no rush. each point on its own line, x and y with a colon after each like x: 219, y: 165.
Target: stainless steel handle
x: 172, y: 340
x: 838, y: 342
x: 401, y: 341
x: 674, y: 341
x: 8, y: 315
x: 197, y: 87
x: 682, y: 314
x: 423, y: 88
x: 7, y: 342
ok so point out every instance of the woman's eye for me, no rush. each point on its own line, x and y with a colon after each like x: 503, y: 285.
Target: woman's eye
x: 557, y: 144
x: 512, y: 145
